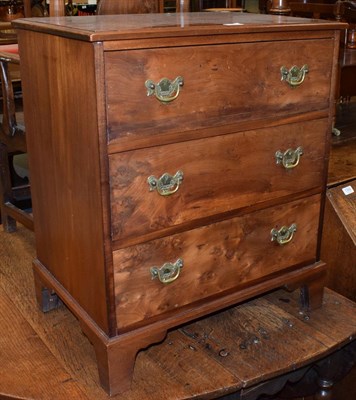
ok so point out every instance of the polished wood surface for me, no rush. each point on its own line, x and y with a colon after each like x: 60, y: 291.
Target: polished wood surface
x: 147, y: 26
x: 81, y: 253
x: 342, y: 162
x: 339, y: 238
x: 338, y: 10
x: 339, y: 227
x: 72, y: 125
x: 154, y: 215
x: 211, y: 253
x: 343, y: 198
x: 46, y: 355
x: 223, y: 68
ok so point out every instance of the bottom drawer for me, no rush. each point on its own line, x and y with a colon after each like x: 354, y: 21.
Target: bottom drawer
x: 216, y: 258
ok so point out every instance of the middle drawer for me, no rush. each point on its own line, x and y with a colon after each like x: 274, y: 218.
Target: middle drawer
x: 212, y: 176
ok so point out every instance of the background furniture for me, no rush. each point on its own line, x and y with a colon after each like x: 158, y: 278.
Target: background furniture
x: 14, y: 191
x: 7, y: 34
x: 347, y: 75
x: 349, y: 14
x: 221, y: 199
x: 208, y: 4
x: 243, y: 351
x: 339, y: 238
x: 342, y: 161
x: 348, y: 55
x: 106, y: 7
x: 12, y: 142
x: 23, y: 9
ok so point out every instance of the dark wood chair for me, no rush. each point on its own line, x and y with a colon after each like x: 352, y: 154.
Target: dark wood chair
x: 221, y: 5
x: 107, y: 7
x: 14, y: 190
x: 348, y: 55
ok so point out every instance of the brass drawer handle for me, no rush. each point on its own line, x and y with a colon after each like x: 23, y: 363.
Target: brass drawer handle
x: 165, y: 90
x: 166, y: 184
x: 283, y: 235
x: 168, y: 272
x: 294, y: 76
x: 290, y: 158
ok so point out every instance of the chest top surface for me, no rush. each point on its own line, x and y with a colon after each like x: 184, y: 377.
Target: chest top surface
x: 134, y: 26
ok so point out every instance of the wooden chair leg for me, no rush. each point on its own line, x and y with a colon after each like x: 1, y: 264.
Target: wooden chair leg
x: 9, y: 224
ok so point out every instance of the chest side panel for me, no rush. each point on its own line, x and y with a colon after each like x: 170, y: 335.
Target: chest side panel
x: 58, y: 78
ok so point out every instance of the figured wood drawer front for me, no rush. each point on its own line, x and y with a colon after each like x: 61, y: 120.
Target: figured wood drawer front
x: 215, y: 258
x: 222, y: 85
x: 219, y: 174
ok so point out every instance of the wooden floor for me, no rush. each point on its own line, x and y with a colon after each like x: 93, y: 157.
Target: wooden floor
x: 46, y: 356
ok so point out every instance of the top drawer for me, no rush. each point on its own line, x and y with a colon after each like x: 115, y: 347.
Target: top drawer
x: 223, y: 84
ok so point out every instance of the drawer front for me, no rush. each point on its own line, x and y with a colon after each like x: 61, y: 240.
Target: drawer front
x: 223, y: 84
x: 220, y: 174
x: 215, y: 258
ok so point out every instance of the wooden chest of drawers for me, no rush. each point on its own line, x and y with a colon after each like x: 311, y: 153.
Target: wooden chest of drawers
x: 178, y: 166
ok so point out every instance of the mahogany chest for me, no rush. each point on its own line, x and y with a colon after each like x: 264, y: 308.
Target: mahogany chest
x: 178, y: 166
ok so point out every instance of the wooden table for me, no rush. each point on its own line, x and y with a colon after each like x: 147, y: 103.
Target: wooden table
x: 46, y: 355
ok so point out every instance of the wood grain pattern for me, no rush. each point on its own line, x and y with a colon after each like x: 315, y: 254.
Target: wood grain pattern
x: 205, y: 25
x: 343, y: 199
x: 50, y: 357
x: 221, y: 174
x: 210, y: 79
x: 94, y: 106
x: 67, y: 178
x: 216, y: 258
x: 333, y: 323
x: 342, y: 164
x: 18, y: 335
x: 338, y: 246
x: 107, y: 7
